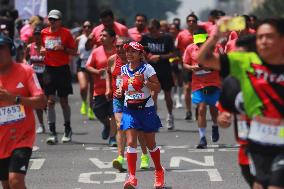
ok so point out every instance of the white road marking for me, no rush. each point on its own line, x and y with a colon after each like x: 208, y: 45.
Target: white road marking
x: 176, y: 160
x: 213, y: 174
x: 36, y: 164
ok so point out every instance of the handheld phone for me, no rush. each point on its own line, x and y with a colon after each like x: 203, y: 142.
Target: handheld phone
x: 234, y: 24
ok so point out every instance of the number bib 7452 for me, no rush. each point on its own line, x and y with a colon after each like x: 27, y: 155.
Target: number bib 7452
x: 267, y: 131
x: 9, y: 114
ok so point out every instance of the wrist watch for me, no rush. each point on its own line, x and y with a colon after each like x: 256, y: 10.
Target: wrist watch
x: 18, y: 99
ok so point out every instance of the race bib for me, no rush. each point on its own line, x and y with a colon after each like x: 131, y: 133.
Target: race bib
x: 9, y: 114
x: 39, y: 68
x: 243, y: 129
x: 202, y: 72
x: 50, y: 43
x: 267, y: 131
x: 134, y: 95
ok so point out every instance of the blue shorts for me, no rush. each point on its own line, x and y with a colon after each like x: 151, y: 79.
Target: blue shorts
x: 145, y: 120
x: 198, y: 97
x: 118, y: 105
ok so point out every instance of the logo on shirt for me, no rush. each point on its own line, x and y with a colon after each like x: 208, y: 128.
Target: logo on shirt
x: 23, y: 168
x: 20, y: 85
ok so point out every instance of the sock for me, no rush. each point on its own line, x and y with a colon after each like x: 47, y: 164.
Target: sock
x: 67, y: 126
x: 202, y: 132
x: 66, y: 113
x: 155, y: 154
x: 131, y: 160
x: 51, y: 114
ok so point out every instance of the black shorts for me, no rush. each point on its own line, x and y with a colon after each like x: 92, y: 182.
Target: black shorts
x: 101, y: 107
x: 58, y: 81
x: 187, y: 76
x: 268, y: 168
x: 176, y: 68
x: 18, y: 162
x: 40, y: 80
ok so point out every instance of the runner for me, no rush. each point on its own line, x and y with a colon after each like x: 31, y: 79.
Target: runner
x: 176, y: 64
x: 161, y: 47
x: 139, y: 113
x: 97, y: 66
x: 261, y: 79
x: 107, y: 20
x: 19, y: 95
x: 36, y: 59
x: 205, y: 88
x: 115, y: 63
x: 140, y: 27
x: 185, y: 38
x: 58, y: 46
x: 84, y: 78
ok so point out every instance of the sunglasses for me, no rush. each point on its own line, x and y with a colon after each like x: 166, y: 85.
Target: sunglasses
x: 194, y: 21
x: 86, y: 26
x: 53, y: 19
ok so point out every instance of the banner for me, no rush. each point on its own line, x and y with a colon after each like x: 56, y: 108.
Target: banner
x: 28, y: 8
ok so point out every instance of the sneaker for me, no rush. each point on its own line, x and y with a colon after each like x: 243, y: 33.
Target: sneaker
x: 170, y: 122
x: 40, y: 129
x: 145, y: 161
x: 52, y: 139
x: 105, y: 133
x: 67, y: 137
x: 131, y: 182
x: 202, y: 143
x: 91, y: 114
x: 118, y: 164
x: 188, y: 116
x: 215, y: 134
x: 178, y: 104
x: 112, y: 142
x: 83, y: 108
x: 159, y: 179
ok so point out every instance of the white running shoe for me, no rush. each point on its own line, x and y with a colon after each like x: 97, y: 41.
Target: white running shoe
x: 170, y: 122
x: 40, y: 129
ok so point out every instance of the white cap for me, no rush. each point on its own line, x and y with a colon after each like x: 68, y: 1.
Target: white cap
x: 56, y: 14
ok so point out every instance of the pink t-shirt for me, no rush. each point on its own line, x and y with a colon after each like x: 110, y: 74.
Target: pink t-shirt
x: 98, y: 59
x: 208, y: 26
x: 17, y: 133
x: 135, y: 34
x: 119, y: 29
x: 183, y: 39
x: 26, y: 33
x: 201, y: 78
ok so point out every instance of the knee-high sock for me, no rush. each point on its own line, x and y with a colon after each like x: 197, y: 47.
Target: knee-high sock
x: 131, y: 160
x: 51, y: 119
x: 155, y: 154
x: 66, y: 113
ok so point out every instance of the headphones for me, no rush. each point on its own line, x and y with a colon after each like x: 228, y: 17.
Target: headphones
x: 6, y: 40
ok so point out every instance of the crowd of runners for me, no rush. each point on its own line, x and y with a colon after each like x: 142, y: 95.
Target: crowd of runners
x: 232, y: 65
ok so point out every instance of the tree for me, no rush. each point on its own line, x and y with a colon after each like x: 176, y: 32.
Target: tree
x: 270, y: 8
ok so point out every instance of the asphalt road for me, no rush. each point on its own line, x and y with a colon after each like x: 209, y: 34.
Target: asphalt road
x: 86, y: 162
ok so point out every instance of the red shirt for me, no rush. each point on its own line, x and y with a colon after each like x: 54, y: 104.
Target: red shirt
x: 208, y: 26
x: 201, y: 78
x: 119, y: 29
x: 135, y: 34
x: 50, y: 39
x: 98, y: 59
x: 183, y: 39
x: 18, y: 133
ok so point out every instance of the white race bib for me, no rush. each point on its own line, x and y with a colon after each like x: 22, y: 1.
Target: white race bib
x: 51, y: 43
x: 267, y: 131
x: 39, y: 68
x: 9, y: 114
x: 133, y: 95
x: 243, y: 129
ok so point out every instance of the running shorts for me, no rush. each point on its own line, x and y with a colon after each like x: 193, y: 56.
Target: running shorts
x: 211, y: 99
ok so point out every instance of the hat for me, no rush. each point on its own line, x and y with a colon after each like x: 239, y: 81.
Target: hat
x: 4, y: 40
x: 56, y: 14
x: 135, y: 45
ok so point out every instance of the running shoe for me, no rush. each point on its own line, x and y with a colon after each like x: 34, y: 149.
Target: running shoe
x: 52, y: 139
x: 118, y: 164
x: 215, y: 133
x: 112, y: 142
x: 131, y: 182
x: 170, y: 122
x: 40, y: 129
x: 188, y: 116
x: 202, y: 143
x: 178, y: 104
x: 84, y: 108
x: 105, y: 133
x: 91, y: 114
x: 67, y: 137
x: 159, y: 179
x: 145, y: 161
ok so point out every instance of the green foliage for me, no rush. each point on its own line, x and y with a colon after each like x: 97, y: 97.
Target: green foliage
x: 270, y: 8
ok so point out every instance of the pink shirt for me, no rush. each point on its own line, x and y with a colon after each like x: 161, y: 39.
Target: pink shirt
x: 98, y: 59
x: 135, y: 34
x: 201, y: 78
x: 208, y: 26
x: 26, y: 33
x: 119, y: 29
x: 183, y: 39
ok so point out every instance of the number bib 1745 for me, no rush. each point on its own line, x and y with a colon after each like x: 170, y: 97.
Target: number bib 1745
x: 9, y: 114
x: 243, y: 128
x: 267, y: 131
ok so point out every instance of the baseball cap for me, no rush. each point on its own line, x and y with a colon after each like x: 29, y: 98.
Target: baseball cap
x: 56, y: 14
x: 135, y: 45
